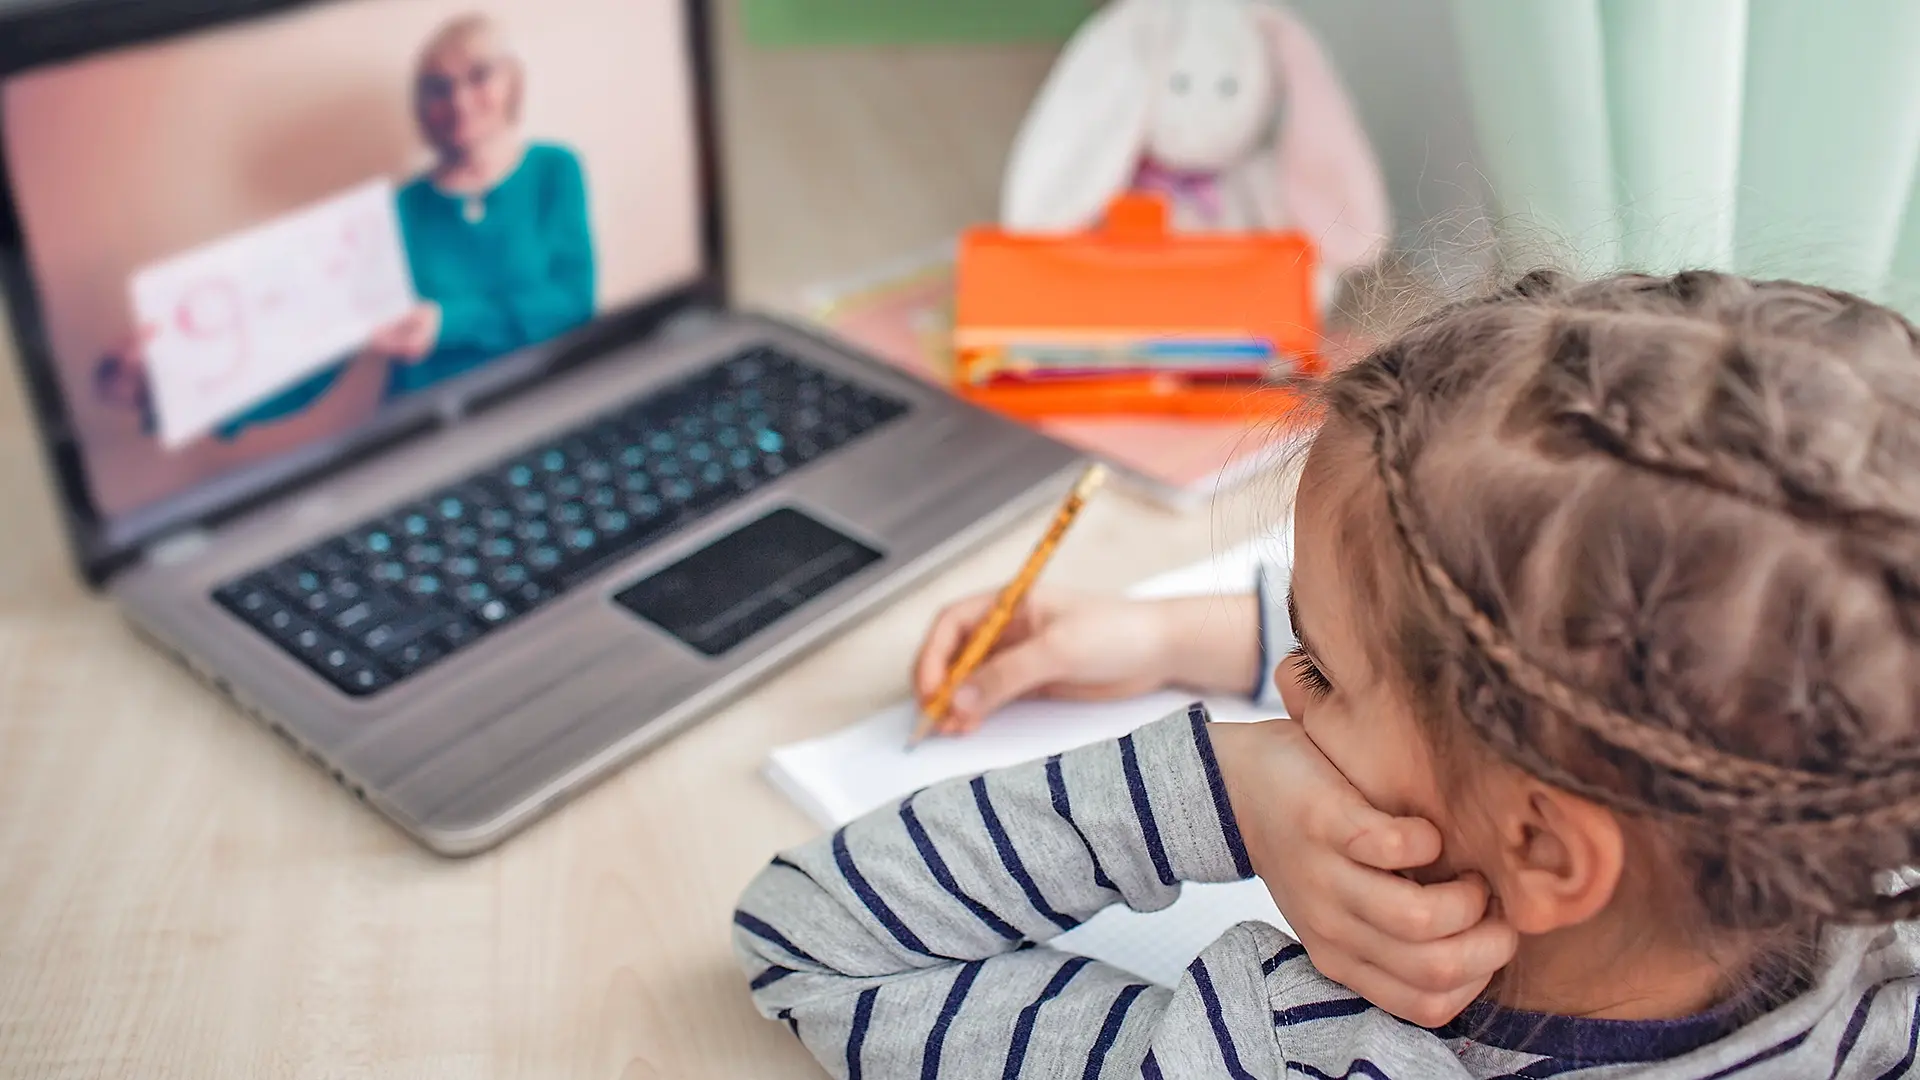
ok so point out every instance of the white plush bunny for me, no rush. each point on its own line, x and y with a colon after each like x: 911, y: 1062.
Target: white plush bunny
x: 1227, y: 106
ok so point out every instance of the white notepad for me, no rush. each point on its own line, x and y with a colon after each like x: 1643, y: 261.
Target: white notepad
x: 838, y: 777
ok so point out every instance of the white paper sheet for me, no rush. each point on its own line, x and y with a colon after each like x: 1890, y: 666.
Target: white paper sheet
x: 838, y: 777
x: 229, y: 324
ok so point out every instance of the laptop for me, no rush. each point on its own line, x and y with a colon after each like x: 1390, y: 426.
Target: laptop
x: 382, y: 361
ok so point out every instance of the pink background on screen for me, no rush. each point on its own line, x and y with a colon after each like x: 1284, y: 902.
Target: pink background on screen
x: 124, y: 159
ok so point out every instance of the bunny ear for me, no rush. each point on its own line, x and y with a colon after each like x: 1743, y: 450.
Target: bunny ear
x: 1326, y: 177
x: 1080, y: 143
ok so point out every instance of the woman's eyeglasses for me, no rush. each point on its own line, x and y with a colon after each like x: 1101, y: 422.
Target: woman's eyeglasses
x: 476, y: 77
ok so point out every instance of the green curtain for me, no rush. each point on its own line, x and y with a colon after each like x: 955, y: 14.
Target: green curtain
x: 872, y: 22
x: 1771, y: 137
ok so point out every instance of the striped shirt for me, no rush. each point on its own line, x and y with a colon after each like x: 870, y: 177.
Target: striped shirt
x: 910, y: 943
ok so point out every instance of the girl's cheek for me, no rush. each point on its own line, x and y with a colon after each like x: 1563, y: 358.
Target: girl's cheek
x: 1293, y: 696
x: 1373, y: 760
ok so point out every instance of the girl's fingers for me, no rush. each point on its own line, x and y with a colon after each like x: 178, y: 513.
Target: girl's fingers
x: 1428, y: 1009
x: 1333, y: 813
x: 1385, y: 842
x: 944, y: 639
x: 1466, y: 960
x: 1006, y: 676
x: 1407, y: 911
x: 951, y: 631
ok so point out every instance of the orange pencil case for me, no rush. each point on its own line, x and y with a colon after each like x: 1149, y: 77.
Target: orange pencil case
x: 1130, y: 287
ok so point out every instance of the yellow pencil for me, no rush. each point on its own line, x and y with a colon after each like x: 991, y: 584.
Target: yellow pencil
x: 988, y: 633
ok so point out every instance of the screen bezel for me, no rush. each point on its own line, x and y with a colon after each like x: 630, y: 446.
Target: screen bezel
x: 35, y: 35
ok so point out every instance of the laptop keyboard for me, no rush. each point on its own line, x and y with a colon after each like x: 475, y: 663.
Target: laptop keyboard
x: 390, y: 597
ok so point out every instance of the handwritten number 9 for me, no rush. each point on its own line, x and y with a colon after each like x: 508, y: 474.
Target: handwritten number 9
x: 212, y: 315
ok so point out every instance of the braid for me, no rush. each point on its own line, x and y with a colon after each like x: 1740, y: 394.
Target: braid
x: 1773, y: 479
x: 1725, y: 389
x: 1662, y: 748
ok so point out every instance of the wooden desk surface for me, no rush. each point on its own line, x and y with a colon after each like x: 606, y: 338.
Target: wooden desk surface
x: 181, y: 896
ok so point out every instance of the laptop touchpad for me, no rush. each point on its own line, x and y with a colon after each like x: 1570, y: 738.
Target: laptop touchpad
x: 744, y: 582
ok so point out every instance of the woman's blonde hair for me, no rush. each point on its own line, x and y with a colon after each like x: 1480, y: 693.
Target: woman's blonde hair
x: 460, y: 30
x: 1656, y: 541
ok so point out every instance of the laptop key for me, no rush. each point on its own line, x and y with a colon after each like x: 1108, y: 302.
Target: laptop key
x: 339, y: 658
x: 376, y: 609
x: 296, y: 582
x: 333, y: 559
x: 413, y: 656
x: 471, y: 594
x: 426, y: 553
x: 280, y: 623
x: 643, y: 507
x: 387, y: 637
x: 544, y: 558
x: 250, y: 599
x: 459, y: 632
x: 460, y: 567
x: 462, y: 538
x: 309, y: 642
x: 371, y: 540
x: 354, y: 617
x: 361, y: 679
x: 527, y: 595
x: 490, y: 611
x: 320, y: 604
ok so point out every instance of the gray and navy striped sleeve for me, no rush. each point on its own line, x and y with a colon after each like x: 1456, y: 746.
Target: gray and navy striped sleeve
x: 906, y: 942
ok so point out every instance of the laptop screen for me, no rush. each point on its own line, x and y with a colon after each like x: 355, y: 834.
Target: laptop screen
x: 255, y: 243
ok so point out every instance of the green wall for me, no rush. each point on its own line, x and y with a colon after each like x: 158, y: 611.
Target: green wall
x: 836, y: 22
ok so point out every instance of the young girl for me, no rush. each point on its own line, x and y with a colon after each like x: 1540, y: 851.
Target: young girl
x: 1617, y: 585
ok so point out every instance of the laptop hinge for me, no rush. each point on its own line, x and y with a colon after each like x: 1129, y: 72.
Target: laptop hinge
x: 689, y: 323
x: 177, y: 548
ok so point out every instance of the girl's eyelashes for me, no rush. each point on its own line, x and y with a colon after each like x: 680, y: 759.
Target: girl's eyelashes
x: 1308, y: 672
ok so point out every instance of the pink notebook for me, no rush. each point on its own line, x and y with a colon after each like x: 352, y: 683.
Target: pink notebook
x: 903, y: 314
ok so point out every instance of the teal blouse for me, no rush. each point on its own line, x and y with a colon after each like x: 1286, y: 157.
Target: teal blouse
x: 520, y: 274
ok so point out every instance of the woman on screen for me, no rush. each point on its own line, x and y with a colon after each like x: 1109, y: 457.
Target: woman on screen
x: 496, y: 230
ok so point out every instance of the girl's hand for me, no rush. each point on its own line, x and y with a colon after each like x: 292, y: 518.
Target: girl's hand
x: 1421, y: 952
x: 1059, y: 644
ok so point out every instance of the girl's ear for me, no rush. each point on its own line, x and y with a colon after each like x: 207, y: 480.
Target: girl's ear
x: 1080, y: 143
x: 1324, y: 179
x: 1561, y: 857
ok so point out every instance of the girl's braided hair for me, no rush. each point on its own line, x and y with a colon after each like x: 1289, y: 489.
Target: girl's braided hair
x: 1661, y: 538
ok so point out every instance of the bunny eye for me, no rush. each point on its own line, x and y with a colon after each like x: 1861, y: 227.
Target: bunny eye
x: 1229, y: 86
x: 1179, y: 82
